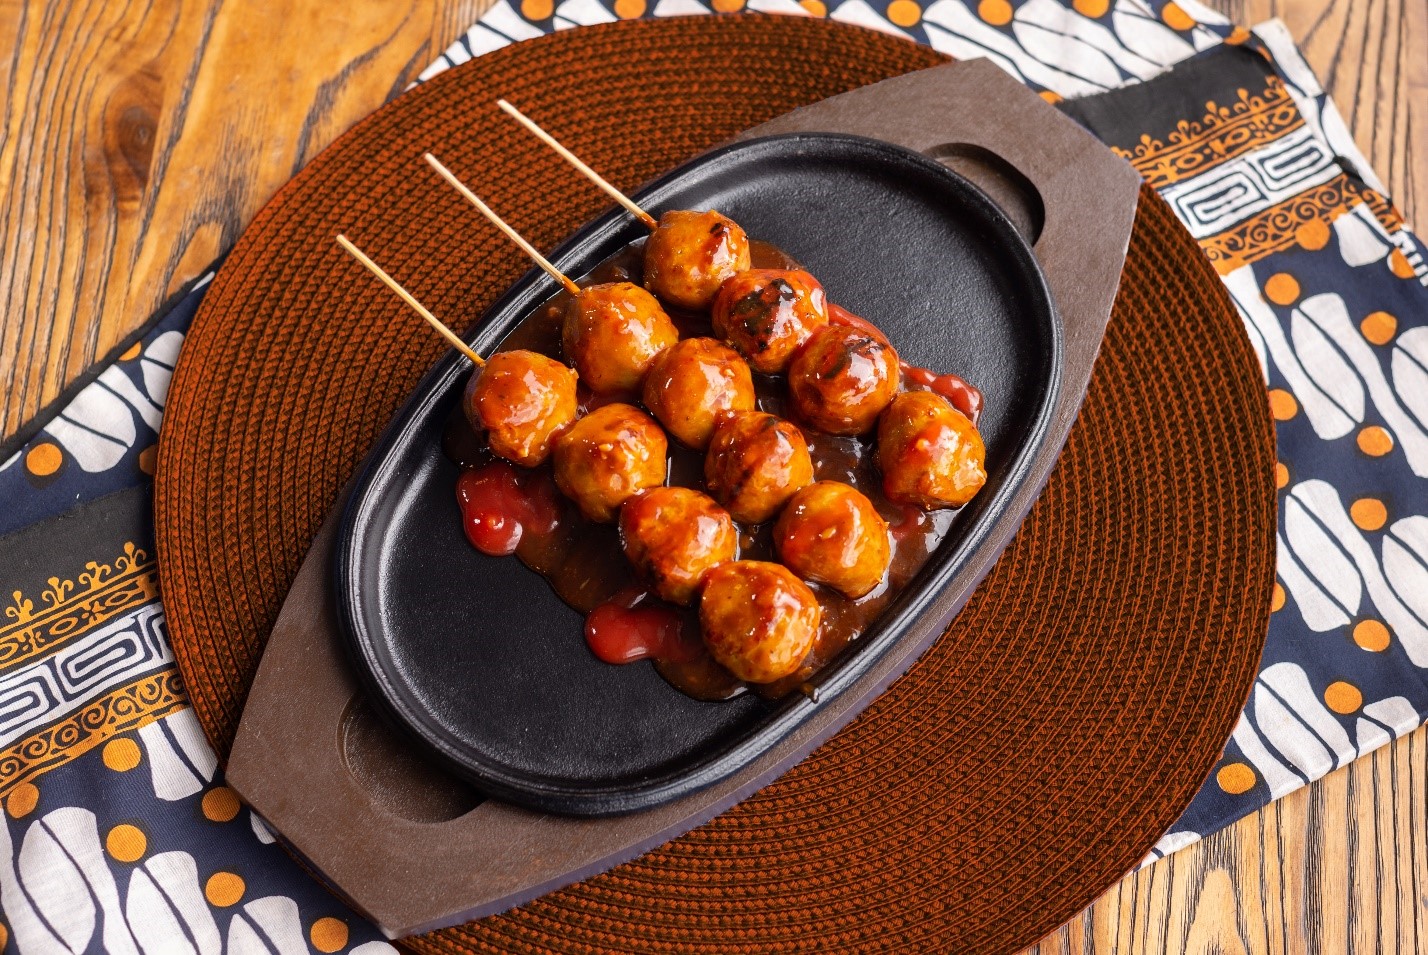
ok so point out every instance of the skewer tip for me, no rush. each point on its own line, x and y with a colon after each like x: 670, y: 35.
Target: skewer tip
x: 418, y: 307
x: 579, y: 164
x: 501, y: 224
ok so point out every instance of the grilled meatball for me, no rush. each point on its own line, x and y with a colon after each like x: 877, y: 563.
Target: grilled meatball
x: 930, y: 453
x: 768, y: 313
x: 758, y: 619
x: 612, y: 334
x: 675, y: 536
x: 842, y: 379
x: 830, y: 533
x: 690, y: 254
x: 755, y: 463
x: 607, y: 457
x: 692, y: 383
x: 522, y: 400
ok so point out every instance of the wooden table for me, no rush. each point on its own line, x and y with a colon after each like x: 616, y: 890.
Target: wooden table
x: 140, y: 137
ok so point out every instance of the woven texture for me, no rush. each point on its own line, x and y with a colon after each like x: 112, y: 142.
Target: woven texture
x: 1024, y: 765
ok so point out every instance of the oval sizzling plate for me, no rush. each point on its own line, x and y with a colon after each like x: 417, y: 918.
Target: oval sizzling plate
x: 479, y: 660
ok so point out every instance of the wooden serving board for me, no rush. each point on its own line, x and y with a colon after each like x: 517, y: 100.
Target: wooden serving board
x: 345, y: 792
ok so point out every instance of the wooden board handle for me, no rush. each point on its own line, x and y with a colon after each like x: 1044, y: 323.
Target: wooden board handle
x: 1064, y: 189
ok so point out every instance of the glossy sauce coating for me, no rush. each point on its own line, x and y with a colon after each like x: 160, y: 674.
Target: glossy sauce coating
x: 690, y: 254
x: 829, y: 533
x: 756, y: 462
x: 767, y: 314
x: 612, y: 334
x: 758, y: 620
x: 674, y: 536
x: 842, y: 379
x: 609, y: 456
x: 584, y: 562
x: 964, y: 397
x: 499, y: 504
x: 929, y: 452
x: 692, y: 384
x: 522, y: 400
x: 632, y: 626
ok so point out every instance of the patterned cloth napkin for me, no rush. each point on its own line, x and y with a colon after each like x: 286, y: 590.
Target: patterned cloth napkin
x: 119, y: 833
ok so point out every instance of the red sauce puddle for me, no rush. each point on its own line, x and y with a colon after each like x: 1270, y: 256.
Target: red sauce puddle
x: 499, y: 504
x: 633, y: 625
x: 964, y: 397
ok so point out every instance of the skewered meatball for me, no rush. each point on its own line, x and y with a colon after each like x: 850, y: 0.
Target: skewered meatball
x: 830, y: 533
x: 675, y: 536
x: 768, y: 313
x: 690, y: 254
x: 692, y: 383
x: 755, y: 463
x: 522, y: 399
x: 758, y: 619
x: 930, y: 453
x: 842, y: 379
x: 607, y: 457
x: 612, y: 334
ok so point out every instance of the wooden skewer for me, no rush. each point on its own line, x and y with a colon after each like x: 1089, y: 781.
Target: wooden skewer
x: 574, y: 160
x: 500, y: 223
x: 407, y: 297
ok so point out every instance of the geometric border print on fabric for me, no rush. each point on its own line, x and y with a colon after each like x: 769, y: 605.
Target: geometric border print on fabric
x: 1223, y: 140
x: 84, y: 653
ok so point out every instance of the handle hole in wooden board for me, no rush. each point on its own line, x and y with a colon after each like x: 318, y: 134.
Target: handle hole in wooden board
x: 1000, y: 180
x: 396, y: 777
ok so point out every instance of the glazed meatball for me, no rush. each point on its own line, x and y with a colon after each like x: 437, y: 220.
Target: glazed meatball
x: 692, y: 384
x: 607, y: 457
x: 755, y: 463
x: 768, y: 313
x: 690, y: 254
x: 759, y: 621
x: 674, y: 536
x: 830, y: 533
x: 522, y: 400
x: 930, y: 453
x: 842, y: 379
x: 612, y: 334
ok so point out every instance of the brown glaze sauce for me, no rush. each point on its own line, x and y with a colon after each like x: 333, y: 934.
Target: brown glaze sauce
x: 586, y: 567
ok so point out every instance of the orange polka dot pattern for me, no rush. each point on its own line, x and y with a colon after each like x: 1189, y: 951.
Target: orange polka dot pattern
x: 224, y: 889
x: 874, y: 808
x: 126, y: 843
x: 1235, y: 778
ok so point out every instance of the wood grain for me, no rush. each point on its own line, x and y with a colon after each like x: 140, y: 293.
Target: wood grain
x: 139, y: 138
x: 1340, y: 866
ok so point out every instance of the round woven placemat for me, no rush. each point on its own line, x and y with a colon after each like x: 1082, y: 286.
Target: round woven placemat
x: 1024, y: 765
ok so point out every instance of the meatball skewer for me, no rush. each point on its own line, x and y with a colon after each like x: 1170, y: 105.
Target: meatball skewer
x: 689, y: 254
x: 612, y: 332
x: 614, y: 452
x: 521, y: 399
x: 767, y: 315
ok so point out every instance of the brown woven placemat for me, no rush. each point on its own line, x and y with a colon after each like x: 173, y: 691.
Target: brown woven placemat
x: 1024, y: 765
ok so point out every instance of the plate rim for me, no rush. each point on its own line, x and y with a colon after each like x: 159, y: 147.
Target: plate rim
x: 576, y: 254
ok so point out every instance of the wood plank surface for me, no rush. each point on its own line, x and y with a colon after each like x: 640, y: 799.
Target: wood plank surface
x: 139, y: 138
